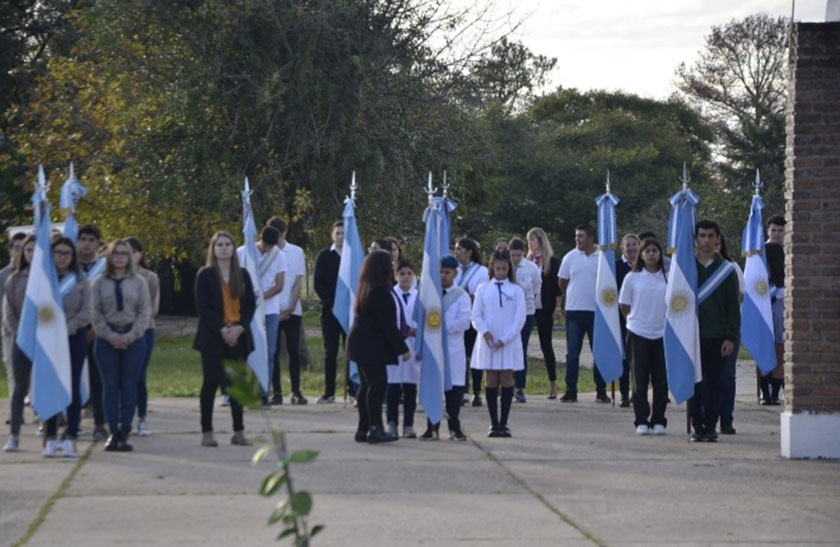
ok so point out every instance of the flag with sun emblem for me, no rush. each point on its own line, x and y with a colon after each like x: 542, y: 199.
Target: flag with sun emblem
x: 682, y: 328
x: 756, y: 312
x: 42, y: 332
x: 430, y: 343
x: 607, y: 346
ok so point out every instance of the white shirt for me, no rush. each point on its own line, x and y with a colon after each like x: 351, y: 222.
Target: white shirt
x: 458, y: 322
x: 529, y: 277
x: 581, y: 270
x: 296, y: 267
x: 269, y: 278
x: 471, y: 277
x: 499, y: 310
x: 644, y: 292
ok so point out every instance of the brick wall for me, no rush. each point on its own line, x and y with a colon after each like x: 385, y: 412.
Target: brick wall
x: 812, y: 191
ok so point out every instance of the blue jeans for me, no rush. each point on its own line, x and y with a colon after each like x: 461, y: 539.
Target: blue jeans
x: 142, y: 388
x: 520, y: 376
x: 271, y: 331
x: 578, y: 324
x: 727, y: 388
x: 78, y: 352
x: 119, y: 370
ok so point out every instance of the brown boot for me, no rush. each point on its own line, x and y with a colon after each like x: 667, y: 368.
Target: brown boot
x: 239, y: 439
x: 208, y: 440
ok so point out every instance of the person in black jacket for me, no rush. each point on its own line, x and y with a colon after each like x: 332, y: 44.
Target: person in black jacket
x: 541, y: 254
x: 373, y: 342
x: 224, y: 298
x: 326, y: 277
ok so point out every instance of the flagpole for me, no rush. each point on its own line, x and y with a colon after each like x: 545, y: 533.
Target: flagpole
x: 612, y: 384
x: 353, y: 188
x: 684, y: 179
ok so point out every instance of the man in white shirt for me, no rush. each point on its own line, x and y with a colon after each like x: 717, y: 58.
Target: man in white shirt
x: 529, y: 277
x: 271, y: 270
x: 290, y: 313
x: 578, y: 272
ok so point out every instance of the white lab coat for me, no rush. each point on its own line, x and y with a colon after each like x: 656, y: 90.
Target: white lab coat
x: 457, y: 319
x: 405, y: 372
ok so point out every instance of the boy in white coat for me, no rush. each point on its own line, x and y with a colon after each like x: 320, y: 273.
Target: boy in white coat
x: 403, y: 376
x: 456, y: 311
x: 498, y: 315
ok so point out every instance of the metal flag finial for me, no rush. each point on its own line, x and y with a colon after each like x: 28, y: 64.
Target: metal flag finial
x: 430, y: 190
x: 42, y: 178
x: 758, y: 183
x: 684, y: 179
x: 445, y: 185
x: 608, y: 181
x: 353, y: 186
x: 71, y: 175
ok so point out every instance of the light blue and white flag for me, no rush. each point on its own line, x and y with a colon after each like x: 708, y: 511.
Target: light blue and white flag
x: 756, y: 313
x: 607, y: 345
x: 445, y: 206
x: 352, y: 256
x: 42, y: 332
x: 682, y: 328
x: 257, y: 359
x: 430, y: 341
x: 71, y: 192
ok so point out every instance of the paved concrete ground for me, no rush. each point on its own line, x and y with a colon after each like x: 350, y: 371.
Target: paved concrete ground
x: 573, y: 474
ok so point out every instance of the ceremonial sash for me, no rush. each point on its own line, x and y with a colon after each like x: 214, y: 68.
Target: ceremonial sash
x: 465, y: 281
x: 403, y: 324
x: 96, y: 269
x: 266, y: 260
x: 775, y: 292
x: 451, y: 296
x: 67, y: 284
x: 712, y: 283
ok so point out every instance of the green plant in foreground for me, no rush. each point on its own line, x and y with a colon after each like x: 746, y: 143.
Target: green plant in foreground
x: 293, y: 511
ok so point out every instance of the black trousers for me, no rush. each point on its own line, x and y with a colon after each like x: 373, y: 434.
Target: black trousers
x: 648, y: 359
x: 22, y: 370
x: 408, y: 392
x: 705, y: 405
x: 624, y: 379
x: 373, y: 379
x: 213, y: 368
x: 332, y: 333
x: 96, y: 399
x: 545, y: 330
x: 469, y: 342
x: 291, y: 328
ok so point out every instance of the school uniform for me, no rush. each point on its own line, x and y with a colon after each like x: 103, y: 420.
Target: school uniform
x: 499, y: 308
x: 404, y: 375
x: 93, y: 271
x: 296, y: 268
x: 153, y: 283
x: 529, y: 277
x: 457, y: 309
x: 469, y: 277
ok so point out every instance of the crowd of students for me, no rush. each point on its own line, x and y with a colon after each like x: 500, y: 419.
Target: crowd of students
x: 111, y: 298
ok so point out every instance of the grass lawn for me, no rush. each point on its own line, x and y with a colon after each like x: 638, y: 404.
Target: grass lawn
x: 175, y: 371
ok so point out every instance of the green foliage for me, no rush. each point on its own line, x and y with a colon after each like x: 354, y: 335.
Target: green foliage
x: 243, y: 384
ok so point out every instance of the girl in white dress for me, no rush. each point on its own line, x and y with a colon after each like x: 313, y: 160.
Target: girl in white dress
x: 498, y: 315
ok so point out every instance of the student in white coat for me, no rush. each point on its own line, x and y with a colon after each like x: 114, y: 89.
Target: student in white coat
x: 470, y: 274
x: 457, y: 307
x: 403, y: 376
x: 498, y: 315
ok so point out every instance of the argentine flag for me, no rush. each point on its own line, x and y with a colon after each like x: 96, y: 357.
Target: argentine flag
x: 756, y: 313
x: 682, y: 328
x: 352, y: 256
x: 42, y: 332
x: 430, y: 342
x: 257, y: 359
x: 607, y: 346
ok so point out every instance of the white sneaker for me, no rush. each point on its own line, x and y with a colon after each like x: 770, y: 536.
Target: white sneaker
x: 68, y: 446
x: 11, y: 445
x: 225, y: 401
x: 392, y: 429
x: 642, y: 430
x: 50, y: 449
x: 143, y: 429
x: 408, y: 432
x: 40, y: 432
x: 659, y: 429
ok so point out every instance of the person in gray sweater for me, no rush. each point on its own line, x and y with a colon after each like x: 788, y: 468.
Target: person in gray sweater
x: 15, y: 248
x: 121, y: 312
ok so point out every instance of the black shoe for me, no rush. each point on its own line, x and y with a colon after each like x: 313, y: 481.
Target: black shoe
x: 711, y: 436
x: 99, y: 433
x: 457, y: 435
x: 625, y: 402
x: 504, y: 431
x: 265, y: 403
x: 764, y: 402
x: 298, y: 399
x: 112, y: 444
x: 775, y: 402
x: 519, y: 396
x: 277, y: 399
x: 476, y: 401
x: 378, y: 435
x: 727, y: 430
x: 493, y: 432
x: 123, y: 445
x: 431, y: 434
x: 698, y: 435
x: 361, y: 436
x: 602, y: 398
x: 569, y: 397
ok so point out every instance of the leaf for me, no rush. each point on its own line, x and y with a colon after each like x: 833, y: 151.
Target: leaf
x: 302, y: 541
x: 272, y: 483
x: 286, y: 533
x: 290, y: 518
x: 279, y: 512
x: 259, y: 455
x: 315, y: 529
x: 303, y: 456
x: 302, y: 503
x: 243, y: 385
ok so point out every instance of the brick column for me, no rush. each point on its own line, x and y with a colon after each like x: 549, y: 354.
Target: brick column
x: 810, y: 425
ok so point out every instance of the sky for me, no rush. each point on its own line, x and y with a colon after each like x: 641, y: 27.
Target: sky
x: 633, y: 45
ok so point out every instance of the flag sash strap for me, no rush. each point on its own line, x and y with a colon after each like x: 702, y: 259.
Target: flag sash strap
x: 472, y: 269
x: 66, y: 285
x: 711, y: 284
x: 451, y: 296
x: 97, y: 269
x: 267, y: 259
x: 775, y: 292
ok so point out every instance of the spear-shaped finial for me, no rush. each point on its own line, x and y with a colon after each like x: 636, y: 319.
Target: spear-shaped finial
x: 71, y: 175
x: 430, y: 190
x: 684, y: 179
x: 353, y: 186
x: 42, y: 179
x: 608, y: 181
x: 247, y: 186
x: 757, y: 184
x: 445, y: 185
